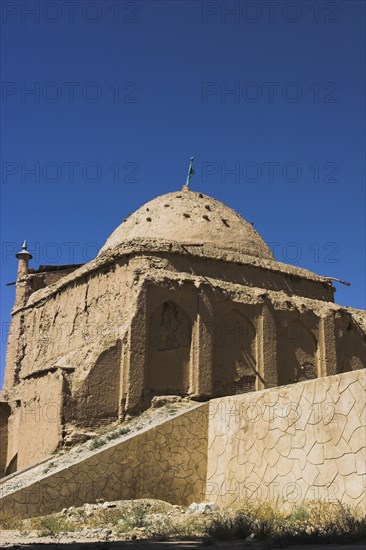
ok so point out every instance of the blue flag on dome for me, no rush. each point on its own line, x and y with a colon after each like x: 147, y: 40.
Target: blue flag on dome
x: 191, y: 172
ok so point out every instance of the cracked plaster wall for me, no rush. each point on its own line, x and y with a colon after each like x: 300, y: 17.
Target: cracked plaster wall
x: 167, y: 461
x: 300, y: 442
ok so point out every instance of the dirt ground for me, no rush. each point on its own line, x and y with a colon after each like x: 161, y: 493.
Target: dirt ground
x: 9, y: 541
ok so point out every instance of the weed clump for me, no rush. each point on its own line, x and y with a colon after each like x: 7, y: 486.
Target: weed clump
x: 52, y: 526
x: 8, y: 521
x: 226, y: 527
x: 312, y: 522
x: 309, y: 523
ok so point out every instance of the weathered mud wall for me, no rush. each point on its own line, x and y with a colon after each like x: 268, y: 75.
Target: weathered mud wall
x: 234, y: 366
x: 132, y: 329
x: 5, y: 412
x: 59, y: 319
x: 48, y: 275
x: 81, y: 315
x: 34, y: 426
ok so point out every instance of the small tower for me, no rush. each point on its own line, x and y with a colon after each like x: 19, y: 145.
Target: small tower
x: 21, y: 285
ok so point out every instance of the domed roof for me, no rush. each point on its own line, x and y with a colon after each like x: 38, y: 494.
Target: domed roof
x: 189, y: 217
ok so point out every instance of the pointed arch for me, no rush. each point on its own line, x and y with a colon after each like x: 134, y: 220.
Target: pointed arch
x: 350, y: 344
x: 297, y: 353
x: 97, y: 400
x: 234, y: 355
x: 169, y: 350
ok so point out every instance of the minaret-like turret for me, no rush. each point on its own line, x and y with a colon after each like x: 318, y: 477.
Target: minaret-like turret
x: 21, y: 294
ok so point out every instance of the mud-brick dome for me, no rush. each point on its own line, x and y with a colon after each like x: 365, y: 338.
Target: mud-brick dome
x: 189, y: 217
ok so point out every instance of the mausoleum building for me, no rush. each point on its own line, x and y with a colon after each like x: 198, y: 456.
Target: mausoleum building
x: 185, y: 298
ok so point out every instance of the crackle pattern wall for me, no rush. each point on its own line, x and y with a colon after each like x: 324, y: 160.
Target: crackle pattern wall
x: 166, y: 461
x: 299, y: 442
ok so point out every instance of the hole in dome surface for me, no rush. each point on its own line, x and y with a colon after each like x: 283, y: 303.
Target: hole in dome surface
x: 206, y: 218
x: 148, y: 219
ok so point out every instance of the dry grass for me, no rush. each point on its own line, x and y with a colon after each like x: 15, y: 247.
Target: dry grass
x: 312, y: 522
x: 10, y: 522
x: 315, y: 521
x: 225, y: 526
x: 52, y: 525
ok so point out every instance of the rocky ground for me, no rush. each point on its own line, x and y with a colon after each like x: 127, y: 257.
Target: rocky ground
x: 149, y: 524
x: 110, y: 522
x: 179, y: 544
x: 11, y: 542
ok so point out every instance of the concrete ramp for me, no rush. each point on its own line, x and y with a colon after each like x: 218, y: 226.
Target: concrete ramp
x: 287, y: 445
x: 166, y: 460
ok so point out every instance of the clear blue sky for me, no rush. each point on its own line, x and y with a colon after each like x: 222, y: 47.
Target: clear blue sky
x: 274, y: 92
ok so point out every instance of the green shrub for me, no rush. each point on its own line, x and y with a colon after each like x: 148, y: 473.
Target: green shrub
x: 51, y: 525
x: 300, y: 513
x: 316, y: 521
x: 96, y: 443
x: 126, y: 518
x: 225, y: 527
x: 161, y: 528
x: 171, y: 408
x: 180, y: 527
x: 133, y: 516
x: 10, y: 522
x: 336, y: 519
x: 118, y: 433
x: 48, y: 467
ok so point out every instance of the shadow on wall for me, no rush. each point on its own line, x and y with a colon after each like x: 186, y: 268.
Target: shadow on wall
x: 5, y: 412
x: 350, y: 344
x: 169, y: 350
x: 297, y: 354
x: 234, y: 355
x: 12, y: 466
x: 98, y: 399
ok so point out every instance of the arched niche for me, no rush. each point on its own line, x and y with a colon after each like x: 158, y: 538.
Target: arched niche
x: 234, y: 355
x: 97, y: 401
x: 5, y: 412
x: 297, y: 353
x: 350, y: 344
x: 169, y: 350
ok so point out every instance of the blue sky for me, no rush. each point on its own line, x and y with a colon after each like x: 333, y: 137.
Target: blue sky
x: 104, y: 102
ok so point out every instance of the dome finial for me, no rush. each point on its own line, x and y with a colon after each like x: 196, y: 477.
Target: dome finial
x: 24, y: 254
x: 191, y: 173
